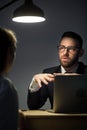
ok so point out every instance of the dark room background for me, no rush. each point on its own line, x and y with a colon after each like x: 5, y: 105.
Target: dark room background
x: 36, y: 47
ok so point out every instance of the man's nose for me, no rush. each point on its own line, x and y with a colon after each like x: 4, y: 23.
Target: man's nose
x: 66, y: 50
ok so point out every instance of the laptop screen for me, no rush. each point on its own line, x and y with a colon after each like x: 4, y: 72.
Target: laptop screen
x: 70, y: 93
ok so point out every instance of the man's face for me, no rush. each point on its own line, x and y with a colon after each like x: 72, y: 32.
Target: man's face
x: 68, y: 52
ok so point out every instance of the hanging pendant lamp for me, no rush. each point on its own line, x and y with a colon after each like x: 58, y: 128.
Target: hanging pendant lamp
x: 28, y: 13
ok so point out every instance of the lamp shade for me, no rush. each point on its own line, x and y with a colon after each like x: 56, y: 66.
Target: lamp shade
x: 28, y: 13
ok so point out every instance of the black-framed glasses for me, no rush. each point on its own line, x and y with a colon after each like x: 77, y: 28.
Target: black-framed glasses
x: 71, y: 49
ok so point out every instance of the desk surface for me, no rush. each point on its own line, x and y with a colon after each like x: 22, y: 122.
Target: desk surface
x: 47, y: 113
x: 44, y: 120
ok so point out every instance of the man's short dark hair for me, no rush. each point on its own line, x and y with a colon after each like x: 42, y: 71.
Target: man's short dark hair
x: 73, y: 35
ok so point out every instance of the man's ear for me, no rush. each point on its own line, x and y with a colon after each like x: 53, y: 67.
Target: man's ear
x: 81, y: 52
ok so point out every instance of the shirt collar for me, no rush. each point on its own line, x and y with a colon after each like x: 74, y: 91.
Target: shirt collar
x: 73, y: 70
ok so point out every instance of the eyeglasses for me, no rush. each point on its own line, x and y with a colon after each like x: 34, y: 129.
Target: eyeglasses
x: 71, y: 49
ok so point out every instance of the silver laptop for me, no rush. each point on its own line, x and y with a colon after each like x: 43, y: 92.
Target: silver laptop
x: 70, y: 94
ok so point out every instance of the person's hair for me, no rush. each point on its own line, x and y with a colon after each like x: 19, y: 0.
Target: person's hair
x: 7, y: 47
x: 73, y: 35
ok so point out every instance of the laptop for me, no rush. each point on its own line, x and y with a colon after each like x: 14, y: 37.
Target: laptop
x: 70, y: 94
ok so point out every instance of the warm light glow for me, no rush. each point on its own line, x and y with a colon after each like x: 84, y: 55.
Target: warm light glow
x: 28, y: 19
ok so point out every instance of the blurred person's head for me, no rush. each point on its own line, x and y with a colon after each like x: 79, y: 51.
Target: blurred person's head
x: 7, y: 49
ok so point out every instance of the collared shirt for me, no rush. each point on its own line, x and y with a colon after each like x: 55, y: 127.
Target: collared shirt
x: 33, y: 86
x: 63, y: 71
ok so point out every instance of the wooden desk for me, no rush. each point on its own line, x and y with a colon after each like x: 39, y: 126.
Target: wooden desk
x: 43, y: 120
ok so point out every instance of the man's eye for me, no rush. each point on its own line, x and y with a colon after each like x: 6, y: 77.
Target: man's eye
x: 72, y: 48
x: 61, y: 47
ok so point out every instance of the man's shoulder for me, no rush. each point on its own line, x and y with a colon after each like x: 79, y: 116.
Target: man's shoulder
x: 85, y: 69
x: 82, y: 68
x: 81, y: 64
x: 51, y: 69
x: 85, y: 66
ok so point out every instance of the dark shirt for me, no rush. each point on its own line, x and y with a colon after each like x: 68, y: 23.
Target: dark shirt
x: 37, y: 99
x: 8, y: 105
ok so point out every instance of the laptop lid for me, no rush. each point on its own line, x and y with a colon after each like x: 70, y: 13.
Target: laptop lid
x: 70, y: 94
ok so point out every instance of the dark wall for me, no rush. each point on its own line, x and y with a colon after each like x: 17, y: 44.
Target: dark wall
x: 36, y: 47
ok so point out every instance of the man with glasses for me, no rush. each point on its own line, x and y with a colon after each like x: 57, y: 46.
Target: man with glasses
x: 69, y: 51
